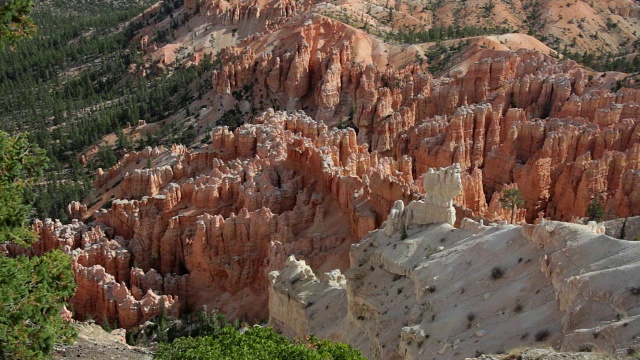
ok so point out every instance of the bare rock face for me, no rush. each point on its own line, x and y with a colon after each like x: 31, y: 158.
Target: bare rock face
x: 443, y: 291
x: 289, y: 314
x: 99, y: 294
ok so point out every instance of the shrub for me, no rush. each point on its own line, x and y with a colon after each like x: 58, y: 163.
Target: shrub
x: 255, y: 343
x: 542, y: 335
x: 497, y: 273
x: 518, y: 308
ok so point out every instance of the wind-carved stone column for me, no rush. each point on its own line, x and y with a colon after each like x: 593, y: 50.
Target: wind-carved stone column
x: 441, y: 188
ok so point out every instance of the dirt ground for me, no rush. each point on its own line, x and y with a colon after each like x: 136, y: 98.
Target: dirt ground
x: 94, y: 343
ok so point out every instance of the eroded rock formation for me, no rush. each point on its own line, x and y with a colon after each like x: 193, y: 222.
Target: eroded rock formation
x: 516, y: 117
x: 452, y: 293
x: 205, y: 227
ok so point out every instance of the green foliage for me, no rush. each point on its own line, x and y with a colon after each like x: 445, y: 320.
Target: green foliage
x: 106, y: 325
x: 439, y: 55
x: 21, y: 165
x: 595, y: 209
x: 32, y: 290
x: 231, y: 118
x: 106, y: 157
x: 345, y: 123
x: 162, y: 326
x: 487, y: 8
x: 255, y: 343
x: 607, y: 61
x: 413, y: 35
x: 15, y: 22
x: 70, y: 85
x: 210, y: 323
x: 512, y: 199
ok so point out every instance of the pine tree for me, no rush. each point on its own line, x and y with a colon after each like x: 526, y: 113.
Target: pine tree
x: 512, y: 199
x: 595, y: 209
x: 32, y: 290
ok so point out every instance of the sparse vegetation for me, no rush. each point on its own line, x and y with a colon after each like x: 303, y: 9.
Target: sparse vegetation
x: 497, y: 273
x: 403, y: 233
x: 487, y: 8
x: 518, y: 308
x: 542, y: 335
x: 623, y: 229
x: 470, y: 318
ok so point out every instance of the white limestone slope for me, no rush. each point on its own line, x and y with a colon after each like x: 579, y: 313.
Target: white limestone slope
x: 447, y: 293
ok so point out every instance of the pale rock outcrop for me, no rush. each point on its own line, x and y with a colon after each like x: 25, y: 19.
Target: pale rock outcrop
x: 395, y: 220
x: 442, y: 289
x: 441, y: 187
x: 288, y: 302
